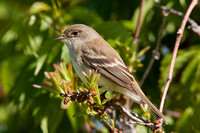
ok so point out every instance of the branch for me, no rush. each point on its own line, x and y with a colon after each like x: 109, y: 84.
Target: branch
x: 155, y: 52
x: 137, y: 32
x: 136, y: 120
x: 177, y: 43
x: 123, y: 110
x: 193, y: 25
x: 108, y: 126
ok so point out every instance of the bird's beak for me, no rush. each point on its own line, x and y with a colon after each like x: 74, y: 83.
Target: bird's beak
x: 61, y: 37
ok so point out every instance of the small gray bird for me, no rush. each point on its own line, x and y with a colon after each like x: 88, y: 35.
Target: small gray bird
x: 88, y: 50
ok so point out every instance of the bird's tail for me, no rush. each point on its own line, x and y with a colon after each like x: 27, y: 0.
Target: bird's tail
x: 154, y: 111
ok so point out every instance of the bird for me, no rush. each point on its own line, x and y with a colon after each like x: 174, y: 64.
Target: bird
x: 88, y: 50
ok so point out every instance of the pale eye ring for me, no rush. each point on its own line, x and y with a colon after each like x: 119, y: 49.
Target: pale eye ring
x: 75, y: 33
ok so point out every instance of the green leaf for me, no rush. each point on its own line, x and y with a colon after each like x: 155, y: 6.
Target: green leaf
x: 65, y: 54
x: 40, y: 63
x: 191, y: 69
x: 54, y: 52
x: 146, y: 17
x: 104, y: 117
x: 141, y: 129
x: 97, y: 99
x: 4, y: 10
x: 89, y: 111
x: 9, y: 36
x: 184, y: 121
x: 11, y: 68
x: 39, y: 7
x: 182, y: 59
x: 104, y: 101
x: 44, y: 25
x: 73, y: 120
x: 80, y: 114
x: 3, y: 113
x: 35, y: 43
x: 44, y: 124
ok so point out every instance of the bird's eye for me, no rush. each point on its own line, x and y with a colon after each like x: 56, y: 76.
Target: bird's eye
x: 75, y: 33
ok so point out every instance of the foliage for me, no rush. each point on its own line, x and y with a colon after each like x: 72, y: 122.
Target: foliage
x: 27, y: 50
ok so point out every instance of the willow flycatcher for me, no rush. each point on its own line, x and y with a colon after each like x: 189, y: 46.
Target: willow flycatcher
x: 88, y: 50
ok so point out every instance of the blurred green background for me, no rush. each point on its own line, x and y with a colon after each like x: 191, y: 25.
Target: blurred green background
x: 28, y: 48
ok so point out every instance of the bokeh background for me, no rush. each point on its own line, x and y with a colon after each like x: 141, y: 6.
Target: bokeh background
x: 28, y: 48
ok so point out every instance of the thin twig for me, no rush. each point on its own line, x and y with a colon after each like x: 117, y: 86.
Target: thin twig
x: 142, y: 123
x: 193, y: 25
x: 123, y: 111
x: 155, y: 52
x: 124, y: 123
x: 108, y: 126
x: 176, y: 46
x: 49, y: 23
x: 137, y: 32
x: 126, y: 106
x: 135, y: 119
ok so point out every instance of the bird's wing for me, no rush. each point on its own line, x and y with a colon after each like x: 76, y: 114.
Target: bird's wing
x: 109, y: 67
x: 116, y: 71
